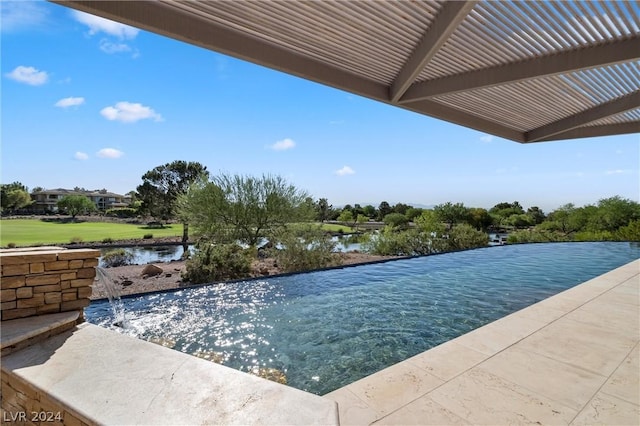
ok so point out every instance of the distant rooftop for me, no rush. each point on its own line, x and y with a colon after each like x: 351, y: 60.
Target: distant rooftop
x: 525, y: 71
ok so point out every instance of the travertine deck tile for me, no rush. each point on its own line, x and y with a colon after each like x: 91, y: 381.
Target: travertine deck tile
x: 594, y: 348
x: 624, y: 383
x: 393, y: 387
x: 447, y: 360
x: 608, y: 410
x: 423, y: 411
x: 482, y: 398
x: 353, y: 411
x: 569, y: 385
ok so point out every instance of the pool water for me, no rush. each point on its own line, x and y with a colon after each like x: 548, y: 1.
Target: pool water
x: 326, y: 329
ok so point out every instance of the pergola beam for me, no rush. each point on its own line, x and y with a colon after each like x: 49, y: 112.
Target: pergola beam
x: 616, y: 106
x: 445, y: 23
x: 594, y: 131
x: 601, y: 55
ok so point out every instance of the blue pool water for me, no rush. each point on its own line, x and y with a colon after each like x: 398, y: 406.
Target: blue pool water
x: 327, y: 329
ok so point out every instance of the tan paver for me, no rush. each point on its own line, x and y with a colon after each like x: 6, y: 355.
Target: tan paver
x: 571, y: 359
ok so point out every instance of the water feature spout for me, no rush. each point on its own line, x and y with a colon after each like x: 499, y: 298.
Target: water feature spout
x: 110, y: 287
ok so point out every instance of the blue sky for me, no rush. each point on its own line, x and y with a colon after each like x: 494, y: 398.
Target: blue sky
x: 91, y: 103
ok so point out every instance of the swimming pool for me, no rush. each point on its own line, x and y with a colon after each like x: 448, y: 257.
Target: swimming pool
x: 327, y: 329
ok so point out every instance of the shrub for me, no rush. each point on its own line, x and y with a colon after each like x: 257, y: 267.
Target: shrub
x: 536, y: 236
x: 147, y: 236
x: 76, y: 240
x: 117, y: 257
x: 107, y: 240
x: 305, y: 248
x: 396, y: 220
x: 464, y: 236
x: 631, y: 232
x: 11, y: 245
x: 125, y: 212
x: 218, y: 262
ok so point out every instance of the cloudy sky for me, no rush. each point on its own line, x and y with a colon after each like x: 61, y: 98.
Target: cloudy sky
x: 92, y: 103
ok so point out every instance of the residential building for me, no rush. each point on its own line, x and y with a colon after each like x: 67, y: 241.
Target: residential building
x: 46, y: 201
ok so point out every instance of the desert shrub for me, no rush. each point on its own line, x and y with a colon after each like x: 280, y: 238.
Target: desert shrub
x: 536, y: 235
x: 218, y: 262
x: 117, y: 257
x: 304, y: 248
x: 631, y: 232
x: 125, y: 212
x: 396, y: 220
x: 76, y: 240
x: 413, y: 242
x: 107, y: 240
x: 11, y: 245
x: 147, y: 236
x: 464, y: 236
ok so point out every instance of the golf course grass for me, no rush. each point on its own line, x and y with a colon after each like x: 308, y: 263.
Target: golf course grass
x: 31, y: 232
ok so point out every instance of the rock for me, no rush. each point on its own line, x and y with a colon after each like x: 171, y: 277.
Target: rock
x: 272, y: 374
x: 264, y: 271
x: 216, y: 357
x: 163, y: 341
x: 167, y: 275
x: 126, y: 282
x: 151, y: 270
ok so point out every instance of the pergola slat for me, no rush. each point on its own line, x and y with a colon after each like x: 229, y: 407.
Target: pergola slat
x: 526, y: 71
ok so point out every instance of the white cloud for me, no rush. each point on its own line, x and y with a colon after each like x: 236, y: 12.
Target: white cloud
x: 283, y: 145
x: 128, y: 112
x: 346, y: 170
x: 28, y: 75
x: 69, y: 102
x: 81, y: 156
x: 22, y: 15
x: 97, y: 24
x: 109, y: 153
x: 109, y: 47
x: 617, y: 172
x: 486, y: 138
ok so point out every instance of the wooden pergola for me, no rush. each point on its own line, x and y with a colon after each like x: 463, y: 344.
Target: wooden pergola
x: 527, y: 71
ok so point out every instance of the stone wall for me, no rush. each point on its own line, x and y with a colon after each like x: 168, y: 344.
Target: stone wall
x: 45, y: 281
x: 23, y: 404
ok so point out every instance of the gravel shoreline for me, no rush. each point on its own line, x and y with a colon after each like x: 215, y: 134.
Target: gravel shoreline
x: 130, y: 280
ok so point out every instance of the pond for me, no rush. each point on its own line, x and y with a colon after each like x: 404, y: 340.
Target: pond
x: 141, y: 255
x: 326, y: 329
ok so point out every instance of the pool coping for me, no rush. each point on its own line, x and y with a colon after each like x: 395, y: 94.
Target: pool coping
x: 570, y: 359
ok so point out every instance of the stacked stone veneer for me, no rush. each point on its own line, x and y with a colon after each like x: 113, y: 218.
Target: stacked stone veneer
x: 42, y: 282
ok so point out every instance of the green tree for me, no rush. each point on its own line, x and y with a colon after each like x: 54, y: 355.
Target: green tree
x: 323, y: 208
x: 384, y: 209
x: 401, y: 208
x: 361, y: 219
x: 369, y: 211
x: 162, y: 186
x: 346, y: 216
x: 396, y: 220
x: 479, y: 218
x: 76, y: 204
x: 451, y: 213
x: 14, y: 196
x: 536, y: 214
x: 243, y: 208
x: 502, y: 211
x: 613, y: 213
x: 464, y: 236
x: 413, y: 212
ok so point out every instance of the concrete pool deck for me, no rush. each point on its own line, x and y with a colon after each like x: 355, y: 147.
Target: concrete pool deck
x: 570, y: 359
x: 573, y: 358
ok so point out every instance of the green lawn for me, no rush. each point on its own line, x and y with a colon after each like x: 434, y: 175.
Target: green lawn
x: 332, y: 227
x: 29, y: 232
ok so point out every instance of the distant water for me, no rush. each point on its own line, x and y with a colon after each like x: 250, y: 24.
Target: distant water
x: 327, y: 329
